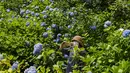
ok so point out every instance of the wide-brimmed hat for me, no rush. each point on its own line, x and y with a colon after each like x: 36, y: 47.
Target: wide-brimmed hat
x: 78, y: 39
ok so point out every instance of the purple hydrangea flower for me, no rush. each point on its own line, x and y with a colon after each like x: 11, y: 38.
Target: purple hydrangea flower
x: 27, y: 16
x: 45, y: 34
x: 51, y: 9
x: 22, y: 12
x: 14, y: 66
x: 51, y: 1
x: 8, y: 10
x: 66, y: 56
x: 54, y: 40
x: 28, y: 23
x: 93, y: 27
x: 47, y: 7
x: 28, y: 11
x: 37, y: 48
x: 71, y: 13
x: 45, y: 16
x: 59, y: 35
x: 89, y: 72
x: 37, y: 14
x: 126, y: 33
x: 54, y: 26
x: 43, y: 24
x: 43, y: 12
x: 31, y: 69
x: 13, y: 16
x: 32, y: 13
x: 105, y: 26
x: 69, y: 26
x: 48, y: 28
x: 108, y: 23
x: 58, y: 39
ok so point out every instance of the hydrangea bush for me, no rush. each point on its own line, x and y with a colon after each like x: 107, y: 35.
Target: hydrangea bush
x: 32, y: 30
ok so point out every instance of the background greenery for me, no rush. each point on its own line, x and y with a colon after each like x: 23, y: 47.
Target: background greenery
x: 107, y: 50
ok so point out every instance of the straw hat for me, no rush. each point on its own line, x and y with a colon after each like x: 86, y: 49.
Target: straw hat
x: 78, y: 39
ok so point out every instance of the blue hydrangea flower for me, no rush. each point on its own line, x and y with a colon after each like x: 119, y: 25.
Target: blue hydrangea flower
x: 8, y: 10
x: 58, y: 39
x: 22, y: 12
x: 43, y: 24
x: 45, y: 34
x: 51, y: 9
x: 45, y: 16
x: 66, y: 56
x: 108, y: 23
x: 54, y: 40
x: 59, y: 35
x: 13, y: 16
x: 105, y: 26
x: 32, y: 13
x: 37, y: 48
x: 51, y: 1
x: 89, y: 72
x: 28, y: 11
x: 93, y: 27
x: 14, y: 66
x: 31, y: 69
x: 28, y: 23
x: 27, y: 16
x: 69, y: 26
x: 71, y: 13
x: 54, y: 26
x: 37, y: 14
x: 47, y: 7
x: 126, y: 33
x: 48, y: 28
x: 43, y: 12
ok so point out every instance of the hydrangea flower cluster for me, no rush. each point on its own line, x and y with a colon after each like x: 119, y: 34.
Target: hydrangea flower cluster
x: 37, y: 48
x: 45, y: 34
x: 54, y: 26
x: 107, y: 23
x: 93, y: 27
x: 15, y: 65
x: 31, y: 69
x: 126, y: 33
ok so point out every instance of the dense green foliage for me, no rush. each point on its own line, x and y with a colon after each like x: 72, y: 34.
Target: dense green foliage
x: 20, y: 29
